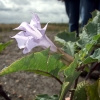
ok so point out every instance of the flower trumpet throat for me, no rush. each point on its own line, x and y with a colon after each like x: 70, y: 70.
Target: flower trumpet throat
x: 66, y: 58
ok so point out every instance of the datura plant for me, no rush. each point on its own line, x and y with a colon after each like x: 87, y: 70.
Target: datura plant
x: 78, y: 54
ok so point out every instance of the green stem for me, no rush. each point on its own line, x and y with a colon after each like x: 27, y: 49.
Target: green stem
x: 93, y: 67
x: 63, y: 91
x: 72, y: 94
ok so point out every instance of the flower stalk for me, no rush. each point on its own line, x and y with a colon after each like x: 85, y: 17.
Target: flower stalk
x: 66, y: 58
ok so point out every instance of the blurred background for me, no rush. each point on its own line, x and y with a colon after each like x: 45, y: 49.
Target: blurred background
x: 14, y: 12
x: 17, y: 11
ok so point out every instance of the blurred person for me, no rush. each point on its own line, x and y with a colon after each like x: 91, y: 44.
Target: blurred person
x: 77, y: 9
x: 72, y: 8
x: 73, y: 11
x: 88, y: 6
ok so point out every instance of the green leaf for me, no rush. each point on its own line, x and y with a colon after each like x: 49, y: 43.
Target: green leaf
x: 94, y: 13
x: 41, y: 63
x: 90, y: 30
x: 99, y: 87
x: 66, y: 36
x: 89, y: 60
x: 68, y: 41
x: 84, y: 39
x: 93, y: 27
x: 69, y: 48
x: 96, y: 16
x: 71, y: 69
x: 80, y: 92
x: 96, y: 54
x: 46, y: 97
x: 71, y: 75
x: 92, y: 91
x: 86, y: 52
x: 4, y: 45
x: 95, y: 57
x: 63, y: 90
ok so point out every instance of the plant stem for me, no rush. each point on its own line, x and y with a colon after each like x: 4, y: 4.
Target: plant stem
x: 75, y: 85
x: 63, y: 91
x: 3, y: 93
x: 68, y: 58
x: 58, y: 80
x: 81, y: 68
x: 93, y: 67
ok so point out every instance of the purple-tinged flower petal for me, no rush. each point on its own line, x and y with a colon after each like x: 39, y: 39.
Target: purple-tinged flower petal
x: 24, y: 26
x: 35, y: 21
x: 32, y: 35
x: 21, y: 39
x: 30, y: 44
x: 46, y: 43
x: 42, y: 30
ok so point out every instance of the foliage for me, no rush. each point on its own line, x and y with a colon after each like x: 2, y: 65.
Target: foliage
x: 80, y: 92
x: 46, y: 97
x: 85, y: 50
x: 93, y: 91
x: 4, y: 45
x: 41, y: 63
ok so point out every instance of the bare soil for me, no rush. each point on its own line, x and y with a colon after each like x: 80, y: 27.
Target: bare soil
x: 23, y: 85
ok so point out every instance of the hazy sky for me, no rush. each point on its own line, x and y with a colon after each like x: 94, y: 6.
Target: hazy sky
x: 16, y: 11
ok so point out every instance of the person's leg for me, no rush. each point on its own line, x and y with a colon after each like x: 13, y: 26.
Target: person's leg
x: 88, y: 6
x: 72, y: 9
x: 98, y: 5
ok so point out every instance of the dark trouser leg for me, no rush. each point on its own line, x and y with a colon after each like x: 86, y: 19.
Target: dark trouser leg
x: 88, y: 6
x: 72, y: 9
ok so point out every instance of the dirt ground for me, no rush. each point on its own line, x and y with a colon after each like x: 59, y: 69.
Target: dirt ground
x: 23, y: 85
